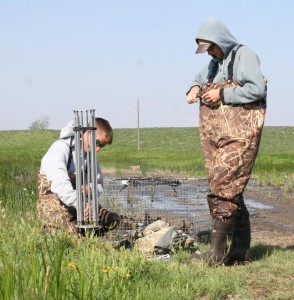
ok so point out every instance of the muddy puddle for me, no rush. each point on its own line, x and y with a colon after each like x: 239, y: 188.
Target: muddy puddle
x: 181, y: 195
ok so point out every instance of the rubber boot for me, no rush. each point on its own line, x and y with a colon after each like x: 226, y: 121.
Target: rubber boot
x: 239, y: 252
x: 221, y: 240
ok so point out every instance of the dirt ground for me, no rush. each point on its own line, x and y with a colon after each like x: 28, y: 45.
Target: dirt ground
x: 274, y: 225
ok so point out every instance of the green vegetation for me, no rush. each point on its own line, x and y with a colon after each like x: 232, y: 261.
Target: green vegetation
x: 34, y: 265
x: 177, y: 150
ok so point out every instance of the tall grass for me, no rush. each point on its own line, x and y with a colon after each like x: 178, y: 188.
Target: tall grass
x: 38, y: 265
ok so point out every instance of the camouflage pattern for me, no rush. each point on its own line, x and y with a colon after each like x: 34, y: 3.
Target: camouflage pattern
x: 230, y: 137
x: 226, y: 209
x: 221, y: 209
x: 52, y: 212
x: 215, y: 85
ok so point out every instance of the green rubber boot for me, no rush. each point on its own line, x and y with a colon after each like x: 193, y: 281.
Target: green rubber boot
x: 221, y: 240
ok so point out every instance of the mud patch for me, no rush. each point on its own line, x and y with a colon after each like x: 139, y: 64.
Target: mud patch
x: 273, y: 221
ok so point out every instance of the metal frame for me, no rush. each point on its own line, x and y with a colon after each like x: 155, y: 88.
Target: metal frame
x: 86, y: 171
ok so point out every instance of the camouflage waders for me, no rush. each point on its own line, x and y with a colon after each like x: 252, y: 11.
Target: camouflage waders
x: 55, y: 215
x: 52, y: 212
x: 230, y: 137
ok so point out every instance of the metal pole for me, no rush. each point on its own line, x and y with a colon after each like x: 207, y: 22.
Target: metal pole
x: 94, y: 169
x: 78, y: 141
x: 86, y: 170
x: 138, y: 124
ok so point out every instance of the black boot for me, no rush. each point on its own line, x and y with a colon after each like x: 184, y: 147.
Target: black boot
x: 221, y: 240
x: 239, y: 252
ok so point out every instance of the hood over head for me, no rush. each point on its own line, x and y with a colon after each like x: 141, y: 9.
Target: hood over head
x: 215, y: 31
x: 67, y: 131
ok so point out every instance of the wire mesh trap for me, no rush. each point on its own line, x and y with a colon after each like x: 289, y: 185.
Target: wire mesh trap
x: 143, y: 200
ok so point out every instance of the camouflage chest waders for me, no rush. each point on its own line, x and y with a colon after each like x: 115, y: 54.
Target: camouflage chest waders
x: 230, y: 137
x: 55, y: 215
x: 52, y: 212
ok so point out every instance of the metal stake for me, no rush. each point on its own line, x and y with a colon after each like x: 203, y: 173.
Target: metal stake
x: 86, y: 171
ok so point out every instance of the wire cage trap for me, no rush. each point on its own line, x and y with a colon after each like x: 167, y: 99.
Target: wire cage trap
x: 143, y: 200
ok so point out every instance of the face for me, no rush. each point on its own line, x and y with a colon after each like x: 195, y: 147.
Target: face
x: 215, y: 51
x: 100, y: 141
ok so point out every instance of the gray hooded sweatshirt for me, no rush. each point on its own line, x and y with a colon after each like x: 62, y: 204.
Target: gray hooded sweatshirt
x: 55, y: 166
x: 246, y: 65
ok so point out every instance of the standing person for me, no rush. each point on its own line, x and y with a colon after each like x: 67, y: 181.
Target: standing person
x: 231, y: 90
x: 57, y: 194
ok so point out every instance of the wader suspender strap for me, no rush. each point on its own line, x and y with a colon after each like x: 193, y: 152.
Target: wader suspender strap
x: 231, y: 64
x: 212, y: 73
x: 230, y: 67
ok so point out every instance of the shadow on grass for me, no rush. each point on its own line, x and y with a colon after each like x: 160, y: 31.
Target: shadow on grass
x: 261, y: 251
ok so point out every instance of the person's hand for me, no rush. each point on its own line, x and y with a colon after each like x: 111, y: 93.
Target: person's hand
x: 193, y: 95
x: 211, y: 96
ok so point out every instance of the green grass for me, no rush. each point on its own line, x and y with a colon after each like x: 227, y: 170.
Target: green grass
x: 177, y: 150
x: 169, y: 149
x: 34, y: 265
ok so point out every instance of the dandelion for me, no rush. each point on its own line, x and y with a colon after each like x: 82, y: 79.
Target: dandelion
x: 72, y: 265
x: 106, y: 269
x: 127, y: 275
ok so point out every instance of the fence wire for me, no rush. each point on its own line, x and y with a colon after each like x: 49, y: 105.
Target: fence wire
x: 142, y: 200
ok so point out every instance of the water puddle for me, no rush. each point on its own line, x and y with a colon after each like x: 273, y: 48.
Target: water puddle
x: 254, y: 205
x: 164, y: 194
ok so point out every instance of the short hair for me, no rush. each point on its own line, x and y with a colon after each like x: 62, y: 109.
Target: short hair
x: 104, y: 128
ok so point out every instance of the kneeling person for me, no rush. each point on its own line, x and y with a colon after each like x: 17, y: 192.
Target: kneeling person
x: 57, y: 181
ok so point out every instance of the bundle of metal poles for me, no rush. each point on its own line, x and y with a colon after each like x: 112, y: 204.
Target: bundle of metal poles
x: 86, y: 171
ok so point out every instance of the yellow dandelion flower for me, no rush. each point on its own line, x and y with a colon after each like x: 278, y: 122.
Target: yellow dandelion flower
x: 72, y: 265
x: 106, y: 269
x: 128, y: 275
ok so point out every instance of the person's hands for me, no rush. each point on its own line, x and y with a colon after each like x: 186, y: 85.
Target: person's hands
x: 211, y: 96
x: 193, y: 95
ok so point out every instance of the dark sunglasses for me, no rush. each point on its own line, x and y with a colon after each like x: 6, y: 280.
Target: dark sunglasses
x: 99, y: 144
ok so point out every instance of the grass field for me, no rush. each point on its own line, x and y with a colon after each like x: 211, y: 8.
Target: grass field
x: 38, y: 266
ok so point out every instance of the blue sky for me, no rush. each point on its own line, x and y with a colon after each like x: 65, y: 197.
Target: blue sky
x: 60, y: 56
